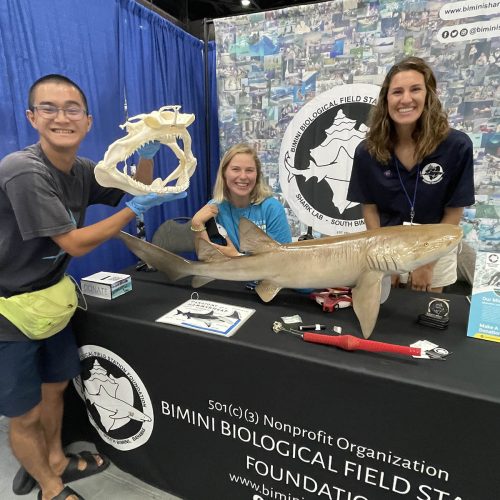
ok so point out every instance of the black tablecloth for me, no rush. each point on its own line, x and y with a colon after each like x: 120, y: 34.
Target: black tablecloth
x: 374, y: 426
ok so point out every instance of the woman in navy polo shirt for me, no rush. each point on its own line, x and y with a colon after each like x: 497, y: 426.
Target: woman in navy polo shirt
x: 412, y: 167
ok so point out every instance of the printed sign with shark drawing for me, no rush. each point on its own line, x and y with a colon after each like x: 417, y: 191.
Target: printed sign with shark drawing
x: 208, y: 316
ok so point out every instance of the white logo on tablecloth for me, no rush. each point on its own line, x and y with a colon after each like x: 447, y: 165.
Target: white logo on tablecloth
x: 117, y: 402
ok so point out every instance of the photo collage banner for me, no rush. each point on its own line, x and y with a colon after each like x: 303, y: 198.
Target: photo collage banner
x: 298, y: 84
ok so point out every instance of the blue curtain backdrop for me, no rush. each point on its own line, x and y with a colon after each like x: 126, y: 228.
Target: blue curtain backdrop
x: 160, y: 65
x: 112, y: 49
x: 215, y: 153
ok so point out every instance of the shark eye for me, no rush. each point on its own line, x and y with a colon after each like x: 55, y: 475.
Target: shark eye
x: 426, y: 244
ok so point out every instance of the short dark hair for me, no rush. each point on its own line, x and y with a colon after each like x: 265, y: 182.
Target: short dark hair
x: 54, y: 77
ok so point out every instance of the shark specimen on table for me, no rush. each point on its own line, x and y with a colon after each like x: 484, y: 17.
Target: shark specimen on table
x: 360, y: 260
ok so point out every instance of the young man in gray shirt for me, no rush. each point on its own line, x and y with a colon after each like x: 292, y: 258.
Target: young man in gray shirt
x: 44, y: 192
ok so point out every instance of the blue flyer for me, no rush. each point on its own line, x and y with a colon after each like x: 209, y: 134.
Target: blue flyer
x: 484, y: 316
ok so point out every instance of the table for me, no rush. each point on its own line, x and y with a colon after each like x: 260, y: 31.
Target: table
x: 262, y: 415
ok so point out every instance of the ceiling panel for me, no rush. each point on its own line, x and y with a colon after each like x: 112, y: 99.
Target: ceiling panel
x: 187, y: 11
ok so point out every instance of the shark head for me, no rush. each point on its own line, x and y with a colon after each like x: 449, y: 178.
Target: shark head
x: 165, y: 125
x: 404, y: 248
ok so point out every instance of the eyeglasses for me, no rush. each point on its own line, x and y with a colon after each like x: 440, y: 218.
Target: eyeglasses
x: 72, y: 113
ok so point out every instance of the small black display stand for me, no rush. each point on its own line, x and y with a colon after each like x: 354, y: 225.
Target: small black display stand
x: 437, y: 315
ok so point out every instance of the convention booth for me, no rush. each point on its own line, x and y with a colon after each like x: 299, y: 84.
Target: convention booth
x: 263, y: 414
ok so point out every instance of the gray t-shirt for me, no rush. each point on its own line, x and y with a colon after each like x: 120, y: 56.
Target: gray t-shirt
x: 38, y: 201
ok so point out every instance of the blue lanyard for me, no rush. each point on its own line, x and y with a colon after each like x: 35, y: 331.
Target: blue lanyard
x: 411, y: 203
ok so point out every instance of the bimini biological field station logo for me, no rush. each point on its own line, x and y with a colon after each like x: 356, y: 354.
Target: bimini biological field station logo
x: 316, y: 157
x: 117, y: 402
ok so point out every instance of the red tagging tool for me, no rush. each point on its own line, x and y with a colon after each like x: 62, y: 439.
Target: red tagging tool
x: 332, y: 299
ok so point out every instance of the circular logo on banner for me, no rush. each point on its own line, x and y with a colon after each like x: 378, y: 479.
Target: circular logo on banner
x: 316, y: 157
x: 117, y: 402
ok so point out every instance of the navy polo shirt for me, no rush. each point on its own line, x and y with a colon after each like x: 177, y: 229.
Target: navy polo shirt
x: 445, y: 178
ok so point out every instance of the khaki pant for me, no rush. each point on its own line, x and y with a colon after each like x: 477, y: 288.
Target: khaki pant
x: 445, y: 271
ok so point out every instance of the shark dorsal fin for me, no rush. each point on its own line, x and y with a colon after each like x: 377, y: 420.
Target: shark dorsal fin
x: 207, y: 252
x: 253, y: 240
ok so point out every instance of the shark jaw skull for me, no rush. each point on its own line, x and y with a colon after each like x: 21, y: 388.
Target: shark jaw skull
x: 166, y: 126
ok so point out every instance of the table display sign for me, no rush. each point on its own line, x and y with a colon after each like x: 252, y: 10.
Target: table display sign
x: 484, y: 317
x: 208, y: 316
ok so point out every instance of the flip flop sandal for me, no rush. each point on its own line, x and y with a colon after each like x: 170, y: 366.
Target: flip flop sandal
x: 65, y: 493
x: 73, y: 473
x: 23, y: 482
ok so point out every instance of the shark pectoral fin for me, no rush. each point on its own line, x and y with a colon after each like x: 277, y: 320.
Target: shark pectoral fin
x: 386, y: 288
x: 199, y: 281
x: 267, y: 290
x: 253, y: 240
x: 366, y: 300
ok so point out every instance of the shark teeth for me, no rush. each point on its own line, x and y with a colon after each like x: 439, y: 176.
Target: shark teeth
x: 166, y: 125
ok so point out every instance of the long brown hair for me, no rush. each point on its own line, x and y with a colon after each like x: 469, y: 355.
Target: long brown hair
x: 431, y: 128
x: 261, y: 190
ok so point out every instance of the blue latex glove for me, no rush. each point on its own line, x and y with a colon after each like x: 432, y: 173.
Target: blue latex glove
x: 141, y: 204
x: 149, y: 150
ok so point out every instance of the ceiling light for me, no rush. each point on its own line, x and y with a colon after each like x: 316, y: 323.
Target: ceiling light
x: 245, y: 3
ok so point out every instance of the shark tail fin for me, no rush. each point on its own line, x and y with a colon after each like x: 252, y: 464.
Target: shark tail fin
x: 253, y: 239
x: 172, y: 265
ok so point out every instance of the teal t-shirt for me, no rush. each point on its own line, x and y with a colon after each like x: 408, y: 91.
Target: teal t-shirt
x: 269, y: 215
